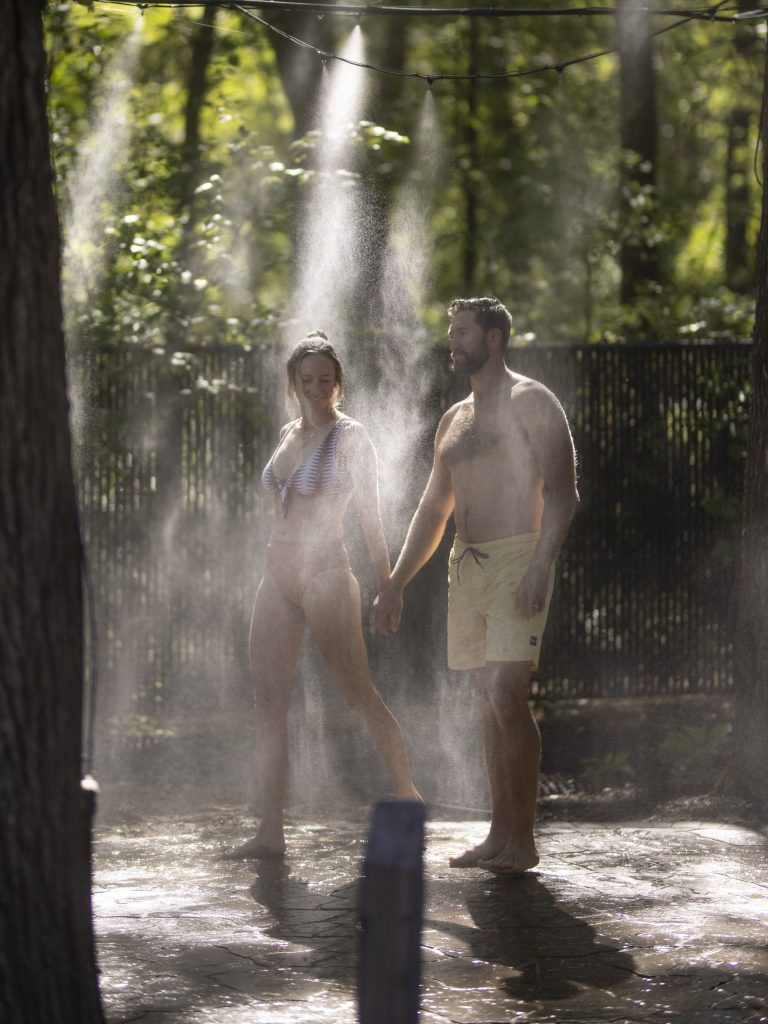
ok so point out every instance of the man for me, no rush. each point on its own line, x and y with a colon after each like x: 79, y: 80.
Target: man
x: 504, y: 465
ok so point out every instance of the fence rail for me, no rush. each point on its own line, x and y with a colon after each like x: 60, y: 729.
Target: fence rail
x: 175, y: 520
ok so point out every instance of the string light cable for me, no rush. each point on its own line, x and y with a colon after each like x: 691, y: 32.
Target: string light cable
x: 247, y: 8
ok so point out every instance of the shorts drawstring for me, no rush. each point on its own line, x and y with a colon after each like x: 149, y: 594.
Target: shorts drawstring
x: 476, y: 553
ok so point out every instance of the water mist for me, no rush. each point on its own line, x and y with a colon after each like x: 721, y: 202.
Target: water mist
x: 392, y: 407
x: 331, y: 240
x: 92, y: 186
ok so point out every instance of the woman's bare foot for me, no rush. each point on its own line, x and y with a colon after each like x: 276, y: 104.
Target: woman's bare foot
x: 487, y: 850
x: 257, y: 849
x: 514, y: 859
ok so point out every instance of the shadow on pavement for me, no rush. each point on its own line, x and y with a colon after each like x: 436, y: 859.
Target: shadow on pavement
x: 518, y: 923
x: 326, y: 922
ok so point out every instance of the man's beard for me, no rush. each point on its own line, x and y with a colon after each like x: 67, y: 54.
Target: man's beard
x: 474, y: 363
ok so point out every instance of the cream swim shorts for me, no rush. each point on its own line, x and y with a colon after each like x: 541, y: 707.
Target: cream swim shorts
x: 483, y: 623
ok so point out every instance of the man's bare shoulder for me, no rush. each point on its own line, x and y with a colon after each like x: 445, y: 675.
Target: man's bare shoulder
x: 533, y: 397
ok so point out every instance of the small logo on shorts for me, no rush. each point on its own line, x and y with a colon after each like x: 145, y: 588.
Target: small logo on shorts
x: 534, y: 641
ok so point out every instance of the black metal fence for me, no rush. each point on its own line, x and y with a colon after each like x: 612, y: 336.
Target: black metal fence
x: 175, y: 520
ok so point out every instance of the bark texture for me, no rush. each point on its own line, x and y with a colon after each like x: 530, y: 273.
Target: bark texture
x: 739, y: 264
x: 639, y: 261
x: 47, y: 971
x: 751, y: 732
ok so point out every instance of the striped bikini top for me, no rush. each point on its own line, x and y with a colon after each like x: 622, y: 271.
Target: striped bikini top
x: 320, y: 473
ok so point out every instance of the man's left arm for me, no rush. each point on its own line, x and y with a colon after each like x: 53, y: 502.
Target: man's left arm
x: 550, y: 436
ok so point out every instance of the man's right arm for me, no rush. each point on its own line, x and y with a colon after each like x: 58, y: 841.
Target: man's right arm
x: 424, y: 535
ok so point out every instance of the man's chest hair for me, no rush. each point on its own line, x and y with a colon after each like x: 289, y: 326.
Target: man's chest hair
x: 472, y: 435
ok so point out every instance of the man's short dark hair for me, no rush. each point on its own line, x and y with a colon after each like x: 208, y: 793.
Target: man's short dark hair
x: 489, y: 313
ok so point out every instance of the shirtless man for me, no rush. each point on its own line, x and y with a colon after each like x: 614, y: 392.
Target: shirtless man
x: 505, y: 466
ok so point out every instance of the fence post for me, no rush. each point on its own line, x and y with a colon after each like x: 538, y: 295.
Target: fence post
x: 391, y: 903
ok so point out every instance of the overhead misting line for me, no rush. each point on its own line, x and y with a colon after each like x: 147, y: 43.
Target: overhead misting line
x: 558, y: 67
x: 247, y: 7
x: 707, y: 13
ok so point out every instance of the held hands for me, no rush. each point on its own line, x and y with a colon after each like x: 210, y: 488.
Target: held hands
x: 531, y: 597
x: 388, y: 609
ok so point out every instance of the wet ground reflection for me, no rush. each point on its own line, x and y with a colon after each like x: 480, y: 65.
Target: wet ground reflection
x: 518, y: 923
x: 620, y: 923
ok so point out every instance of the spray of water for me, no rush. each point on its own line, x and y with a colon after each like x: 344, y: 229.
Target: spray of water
x: 95, y: 178
x: 405, y: 290
x: 329, y: 252
x: 93, y: 184
x: 334, y: 253
x: 392, y: 406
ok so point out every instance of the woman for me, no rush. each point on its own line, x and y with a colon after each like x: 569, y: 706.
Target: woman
x: 323, y: 460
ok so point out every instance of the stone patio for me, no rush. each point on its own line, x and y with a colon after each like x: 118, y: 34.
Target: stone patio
x: 621, y: 922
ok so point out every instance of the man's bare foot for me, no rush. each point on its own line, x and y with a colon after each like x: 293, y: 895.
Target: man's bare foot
x: 512, y: 860
x: 486, y: 850
x: 257, y: 849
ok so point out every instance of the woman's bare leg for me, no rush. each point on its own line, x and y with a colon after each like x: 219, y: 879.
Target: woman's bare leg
x: 331, y: 604
x: 277, y: 627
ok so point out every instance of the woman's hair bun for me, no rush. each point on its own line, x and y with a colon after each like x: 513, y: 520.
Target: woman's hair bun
x: 318, y: 334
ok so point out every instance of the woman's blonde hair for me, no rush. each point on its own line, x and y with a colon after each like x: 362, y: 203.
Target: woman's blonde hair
x: 315, y: 343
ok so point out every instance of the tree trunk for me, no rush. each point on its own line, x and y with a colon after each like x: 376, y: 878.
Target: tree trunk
x: 168, y: 409
x: 737, y: 271
x: 47, y: 968
x: 750, y: 764
x: 471, y: 170
x: 202, y: 51
x: 300, y: 69
x: 738, y: 170
x: 639, y: 259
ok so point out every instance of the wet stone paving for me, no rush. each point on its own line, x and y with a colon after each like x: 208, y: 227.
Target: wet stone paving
x: 624, y: 922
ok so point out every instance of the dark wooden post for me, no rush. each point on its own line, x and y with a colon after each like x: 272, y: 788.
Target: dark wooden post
x: 391, y: 902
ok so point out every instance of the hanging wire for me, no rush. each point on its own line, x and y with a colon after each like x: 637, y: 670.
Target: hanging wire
x: 705, y: 13
x: 559, y: 66
x: 247, y: 7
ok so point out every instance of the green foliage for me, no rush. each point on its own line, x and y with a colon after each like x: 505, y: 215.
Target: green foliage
x: 612, y: 770
x: 693, y: 756
x: 182, y: 250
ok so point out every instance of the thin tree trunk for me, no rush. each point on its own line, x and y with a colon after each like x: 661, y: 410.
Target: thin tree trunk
x: 639, y: 261
x: 197, y: 87
x: 471, y: 202
x: 739, y: 271
x: 168, y: 409
x: 47, y: 966
x: 750, y: 762
x: 300, y: 69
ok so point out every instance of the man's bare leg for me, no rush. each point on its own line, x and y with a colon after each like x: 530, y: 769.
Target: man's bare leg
x: 512, y: 751
x: 519, y: 756
x: 497, y: 774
